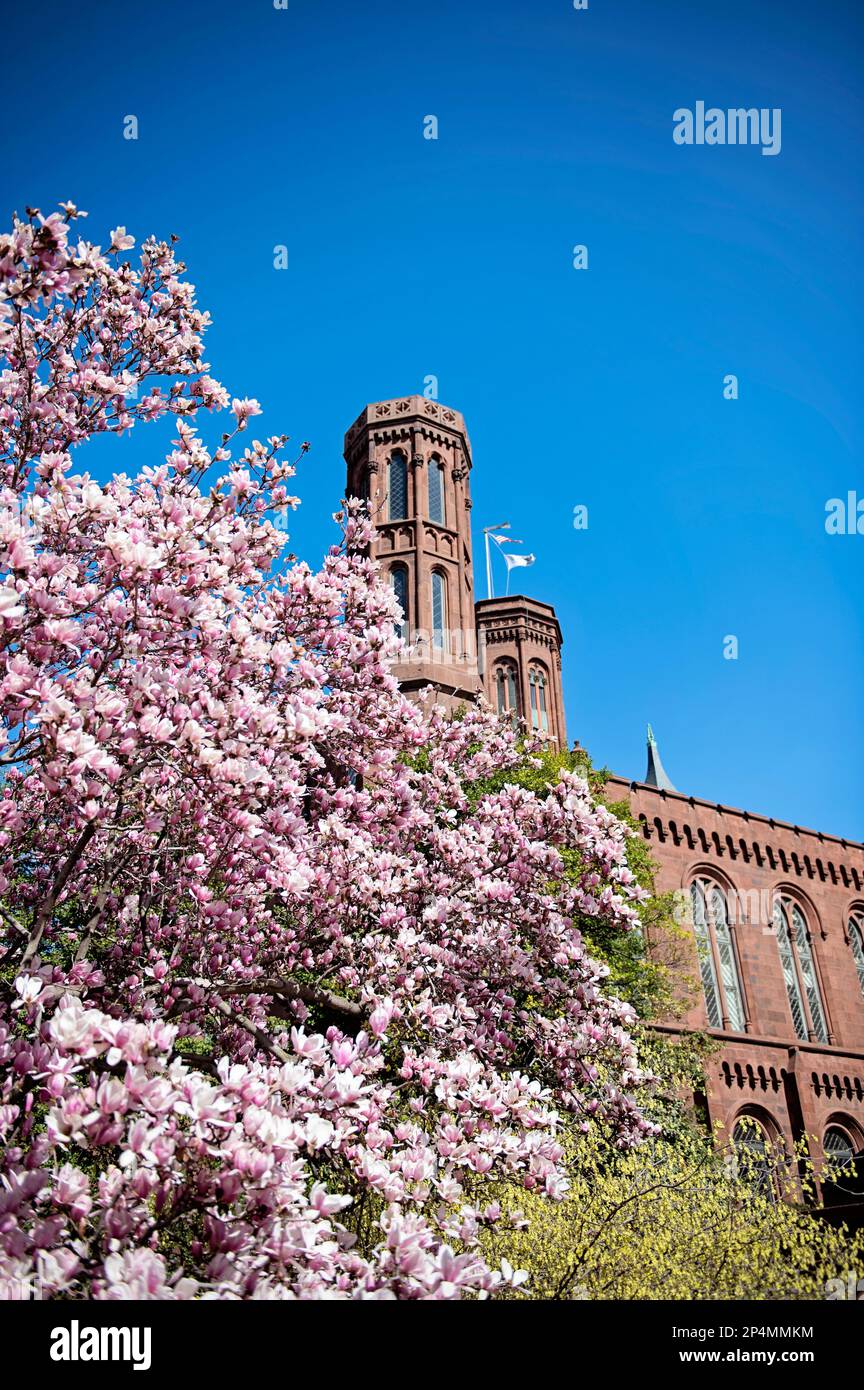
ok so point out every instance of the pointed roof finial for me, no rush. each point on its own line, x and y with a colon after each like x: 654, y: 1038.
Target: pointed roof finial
x: 656, y: 775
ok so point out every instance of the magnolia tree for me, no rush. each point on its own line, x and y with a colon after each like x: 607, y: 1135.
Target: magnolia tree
x: 279, y: 996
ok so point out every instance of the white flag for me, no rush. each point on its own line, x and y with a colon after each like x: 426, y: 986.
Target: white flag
x: 514, y: 560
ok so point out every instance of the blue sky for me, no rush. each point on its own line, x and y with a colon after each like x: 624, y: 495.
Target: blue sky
x: 410, y: 257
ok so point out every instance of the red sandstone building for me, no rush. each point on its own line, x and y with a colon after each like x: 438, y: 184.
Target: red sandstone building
x: 777, y: 917
x: 776, y: 912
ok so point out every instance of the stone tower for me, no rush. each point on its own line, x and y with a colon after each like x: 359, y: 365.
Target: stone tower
x: 519, y: 646
x: 410, y: 458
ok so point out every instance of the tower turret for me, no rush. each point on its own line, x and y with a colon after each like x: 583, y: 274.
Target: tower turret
x: 410, y: 458
x: 519, y: 645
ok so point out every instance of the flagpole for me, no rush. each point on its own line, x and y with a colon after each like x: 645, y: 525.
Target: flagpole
x: 504, y: 526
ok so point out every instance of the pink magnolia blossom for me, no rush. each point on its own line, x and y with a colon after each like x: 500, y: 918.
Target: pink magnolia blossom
x: 270, y: 951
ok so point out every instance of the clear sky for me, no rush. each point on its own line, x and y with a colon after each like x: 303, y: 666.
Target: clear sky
x: 410, y: 257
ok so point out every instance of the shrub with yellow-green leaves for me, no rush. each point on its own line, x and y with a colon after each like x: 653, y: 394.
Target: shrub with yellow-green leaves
x: 676, y: 1220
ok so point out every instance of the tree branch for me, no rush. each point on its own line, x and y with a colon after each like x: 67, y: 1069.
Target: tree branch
x: 49, y: 904
x: 284, y: 989
x: 263, y: 1039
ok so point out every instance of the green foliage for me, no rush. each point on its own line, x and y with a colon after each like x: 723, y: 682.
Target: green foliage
x: 191, y: 1047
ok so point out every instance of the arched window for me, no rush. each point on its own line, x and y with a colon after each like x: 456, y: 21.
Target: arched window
x: 436, y: 491
x: 799, y: 971
x: 839, y: 1149
x: 507, y: 690
x: 752, y: 1146
x: 856, y: 941
x: 718, y: 962
x: 363, y: 486
x: 439, y: 611
x: 537, y: 687
x: 399, y: 581
x: 397, y: 487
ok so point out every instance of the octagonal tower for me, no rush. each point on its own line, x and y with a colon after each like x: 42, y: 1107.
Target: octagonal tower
x: 410, y: 458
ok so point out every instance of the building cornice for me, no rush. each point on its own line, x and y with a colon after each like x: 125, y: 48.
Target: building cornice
x: 387, y: 421
x: 503, y: 617
x: 747, y: 1040
x: 787, y: 850
x: 720, y: 809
